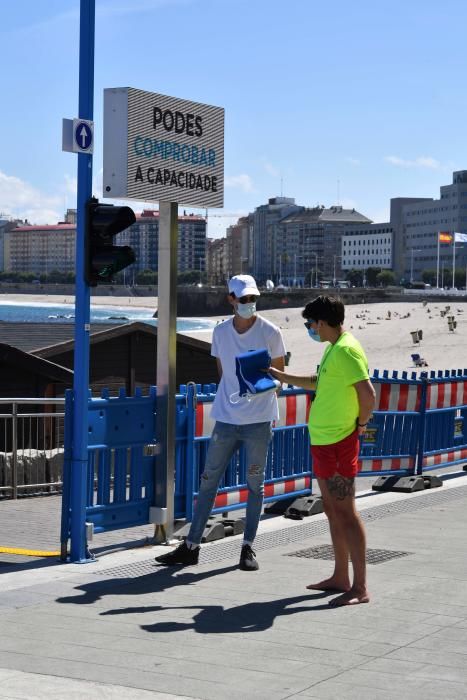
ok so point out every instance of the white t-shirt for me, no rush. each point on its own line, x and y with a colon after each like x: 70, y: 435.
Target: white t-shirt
x: 226, y: 345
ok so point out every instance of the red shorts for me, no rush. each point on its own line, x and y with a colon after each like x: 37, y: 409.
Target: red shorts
x: 340, y: 458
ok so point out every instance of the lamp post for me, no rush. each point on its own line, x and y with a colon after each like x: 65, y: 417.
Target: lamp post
x: 412, y: 251
x: 334, y: 269
x: 316, y: 269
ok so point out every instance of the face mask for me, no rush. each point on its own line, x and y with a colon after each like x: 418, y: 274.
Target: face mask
x: 314, y: 335
x: 246, y: 310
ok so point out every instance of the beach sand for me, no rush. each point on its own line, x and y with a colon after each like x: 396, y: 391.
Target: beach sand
x: 387, y: 340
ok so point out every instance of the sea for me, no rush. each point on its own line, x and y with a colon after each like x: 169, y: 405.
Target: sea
x: 37, y: 312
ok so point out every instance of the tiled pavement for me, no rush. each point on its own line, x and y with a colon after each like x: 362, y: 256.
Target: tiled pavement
x: 124, y: 628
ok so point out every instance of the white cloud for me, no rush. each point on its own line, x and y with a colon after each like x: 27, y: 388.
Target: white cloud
x: 352, y: 161
x: 271, y: 169
x: 421, y: 162
x: 21, y: 200
x: 241, y: 182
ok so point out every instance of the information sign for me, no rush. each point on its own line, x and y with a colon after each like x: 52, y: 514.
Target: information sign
x: 160, y: 148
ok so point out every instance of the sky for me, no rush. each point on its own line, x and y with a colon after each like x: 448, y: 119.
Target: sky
x: 339, y: 102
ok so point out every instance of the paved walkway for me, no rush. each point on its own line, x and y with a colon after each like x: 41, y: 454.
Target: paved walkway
x: 124, y: 628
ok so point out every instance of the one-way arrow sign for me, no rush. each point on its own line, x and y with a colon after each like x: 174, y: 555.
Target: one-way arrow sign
x: 78, y: 135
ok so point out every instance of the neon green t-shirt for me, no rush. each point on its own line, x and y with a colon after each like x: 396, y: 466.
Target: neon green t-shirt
x: 335, y: 409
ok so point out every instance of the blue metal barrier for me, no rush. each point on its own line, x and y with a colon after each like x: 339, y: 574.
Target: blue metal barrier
x: 445, y: 441
x: 419, y: 424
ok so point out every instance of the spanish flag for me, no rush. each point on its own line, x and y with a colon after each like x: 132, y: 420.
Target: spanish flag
x: 445, y: 237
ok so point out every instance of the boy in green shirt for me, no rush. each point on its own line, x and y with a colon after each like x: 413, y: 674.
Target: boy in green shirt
x: 339, y: 414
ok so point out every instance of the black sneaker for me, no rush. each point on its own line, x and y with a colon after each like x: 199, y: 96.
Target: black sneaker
x: 248, y: 560
x: 182, y: 555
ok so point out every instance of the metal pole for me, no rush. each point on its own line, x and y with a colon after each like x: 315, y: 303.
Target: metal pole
x: 411, y: 266
x: 14, y: 450
x: 78, y: 546
x: 453, y: 261
x: 166, y: 361
x: 437, y: 266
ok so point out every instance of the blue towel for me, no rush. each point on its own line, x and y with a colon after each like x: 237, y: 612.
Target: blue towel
x: 251, y: 377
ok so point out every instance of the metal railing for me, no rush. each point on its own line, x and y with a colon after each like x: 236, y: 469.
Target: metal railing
x: 31, y: 446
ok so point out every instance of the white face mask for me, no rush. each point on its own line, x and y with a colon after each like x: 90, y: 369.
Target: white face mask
x: 246, y: 310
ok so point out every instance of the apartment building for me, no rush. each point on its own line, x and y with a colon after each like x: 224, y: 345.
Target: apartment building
x: 40, y: 249
x: 367, y: 246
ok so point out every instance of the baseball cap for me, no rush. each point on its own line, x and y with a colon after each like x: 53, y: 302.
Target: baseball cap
x: 242, y: 286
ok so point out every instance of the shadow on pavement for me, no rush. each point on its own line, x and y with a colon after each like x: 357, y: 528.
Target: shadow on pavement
x: 161, y: 579
x: 249, y: 617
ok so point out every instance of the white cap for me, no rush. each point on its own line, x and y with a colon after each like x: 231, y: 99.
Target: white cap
x: 242, y: 286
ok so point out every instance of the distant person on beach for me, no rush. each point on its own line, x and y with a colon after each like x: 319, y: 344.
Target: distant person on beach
x: 341, y: 409
x: 243, y: 422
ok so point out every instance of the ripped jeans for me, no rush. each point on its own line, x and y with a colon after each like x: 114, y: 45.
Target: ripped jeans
x: 225, y: 439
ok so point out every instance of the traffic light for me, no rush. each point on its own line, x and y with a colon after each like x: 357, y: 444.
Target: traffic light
x: 102, y: 259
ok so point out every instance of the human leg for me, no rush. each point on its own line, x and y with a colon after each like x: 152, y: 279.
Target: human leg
x: 221, y: 447
x: 336, y: 466
x: 256, y: 438
x: 339, y: 580
x: 341, y: 492
x: 223, y: 443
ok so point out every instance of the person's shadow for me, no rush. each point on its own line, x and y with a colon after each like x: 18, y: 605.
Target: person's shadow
x: 161, y: 579
x: 214, y: 619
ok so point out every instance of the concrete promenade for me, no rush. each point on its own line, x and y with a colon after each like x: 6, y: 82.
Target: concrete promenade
x: 124, y: 628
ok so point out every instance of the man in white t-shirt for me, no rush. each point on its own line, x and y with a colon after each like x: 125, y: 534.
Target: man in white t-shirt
x: 238, y: 421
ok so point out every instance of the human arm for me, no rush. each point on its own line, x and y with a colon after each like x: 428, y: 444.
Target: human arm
x: 366, y: 403
x: 307, y: 382
x: 219, y: 367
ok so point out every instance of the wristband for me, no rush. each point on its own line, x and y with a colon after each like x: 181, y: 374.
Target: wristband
x: 362, y: 425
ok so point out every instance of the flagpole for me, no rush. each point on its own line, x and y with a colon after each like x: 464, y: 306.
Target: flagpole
x: 453, y: 260
x: 437, y: 267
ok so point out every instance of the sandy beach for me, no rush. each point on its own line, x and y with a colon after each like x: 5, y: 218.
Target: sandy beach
x: 385, y: 331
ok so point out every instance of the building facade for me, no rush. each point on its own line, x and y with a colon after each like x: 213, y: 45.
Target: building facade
x: 263, y: 232
x: 421, y: 222
x: 308, y: 244
x: 367, y: 246
x: 217, y: 261
x: 143, y: 237
x: 41, y: 249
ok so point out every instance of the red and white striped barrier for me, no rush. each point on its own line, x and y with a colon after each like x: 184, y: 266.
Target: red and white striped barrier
x: 204, y: 424
x: 397, y: 397
x: 277, y: 488
x: 387, y: 464
x: 453, y: 456
x: 293, y: 410
x: 446, y: 395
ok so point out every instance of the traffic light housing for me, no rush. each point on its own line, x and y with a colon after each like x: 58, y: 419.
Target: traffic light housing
x: 102, y: 258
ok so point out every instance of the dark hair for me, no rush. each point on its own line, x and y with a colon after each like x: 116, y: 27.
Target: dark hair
x: 329, y: 309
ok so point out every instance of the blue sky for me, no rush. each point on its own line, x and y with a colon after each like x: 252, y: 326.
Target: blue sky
x: 359, y: 100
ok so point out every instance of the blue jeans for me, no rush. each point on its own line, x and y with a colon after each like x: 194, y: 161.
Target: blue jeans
x: 225, y: 440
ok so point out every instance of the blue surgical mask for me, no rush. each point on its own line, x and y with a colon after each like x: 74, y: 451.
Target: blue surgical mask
x: 246, y: 310
x: 314, y: 335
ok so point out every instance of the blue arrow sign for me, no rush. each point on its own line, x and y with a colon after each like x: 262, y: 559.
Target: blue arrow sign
x: 83, y: 136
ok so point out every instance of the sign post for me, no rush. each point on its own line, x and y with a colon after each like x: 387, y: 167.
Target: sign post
x: 167, y: 150
x: 78, y: 549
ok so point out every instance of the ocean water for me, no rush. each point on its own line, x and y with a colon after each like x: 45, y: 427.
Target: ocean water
x: 36, y: 312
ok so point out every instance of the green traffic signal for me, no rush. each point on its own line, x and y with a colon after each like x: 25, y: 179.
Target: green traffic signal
x: 102, y: 258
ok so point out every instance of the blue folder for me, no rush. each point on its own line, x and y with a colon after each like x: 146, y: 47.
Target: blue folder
x: 252, y: 378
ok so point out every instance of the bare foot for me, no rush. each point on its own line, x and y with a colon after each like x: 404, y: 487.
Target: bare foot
x: 351, y: 597
x: 330, y: 584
